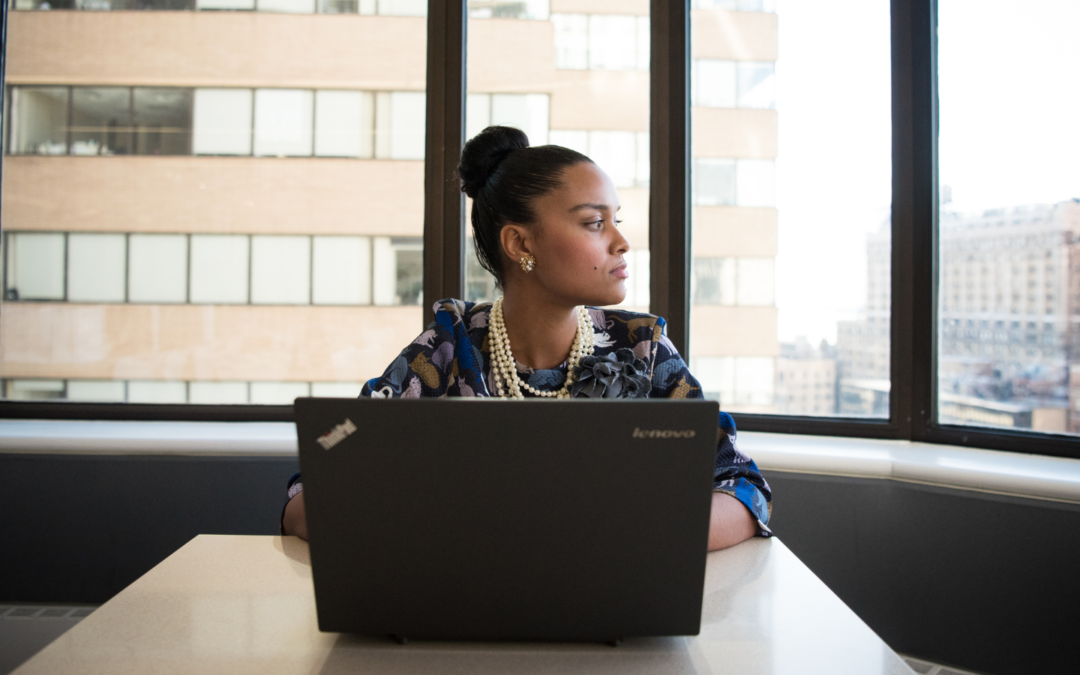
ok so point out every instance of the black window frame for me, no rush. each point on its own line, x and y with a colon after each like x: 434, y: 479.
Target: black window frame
x: 912, y: 400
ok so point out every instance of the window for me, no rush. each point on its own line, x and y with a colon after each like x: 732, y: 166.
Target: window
x: 222, y: 122
x: 528, y: 112
x: 602, y: 112
x: 283, y: 122
x: 38, y: 121
x: 95, y: 267
x: 101, y: 121
x: 398, y: 271
x: 157, y: 268
x: 601, y: 41
x: 35, y: 266
x: 399, y: 133
x: 536, y: 10
x: 280, y: 270
x: 219, y: 268
x: 779, y: 248
x: 721, y: 83
x: 162, y: 120
x: 1010, y: 211
x: 342, y: 271
x: 343, y: 123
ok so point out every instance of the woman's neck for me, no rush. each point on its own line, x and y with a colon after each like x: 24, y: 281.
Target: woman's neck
x: 541, y: 332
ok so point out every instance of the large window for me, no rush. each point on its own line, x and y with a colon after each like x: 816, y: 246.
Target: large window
x: 1009, y: 252
x: 790, y: 192
x: 212, y: 269
x: 183, y: 223
x: 106, y: 121
x: 604, y: 114
x: 213, y: 215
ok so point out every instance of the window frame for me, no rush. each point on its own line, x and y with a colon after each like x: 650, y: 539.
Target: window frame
x: 915, y: 241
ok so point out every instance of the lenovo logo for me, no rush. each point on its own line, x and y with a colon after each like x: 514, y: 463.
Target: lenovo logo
x: 663, y: 433
x: 337, y: 434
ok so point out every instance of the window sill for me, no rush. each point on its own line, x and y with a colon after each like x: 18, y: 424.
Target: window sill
x: 992, y: 471
x: 1008, y: 473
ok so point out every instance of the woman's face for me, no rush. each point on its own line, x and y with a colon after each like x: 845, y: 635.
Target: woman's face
x: 578, y: 246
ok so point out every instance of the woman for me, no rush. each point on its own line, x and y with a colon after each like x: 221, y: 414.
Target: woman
x: 545, y: 225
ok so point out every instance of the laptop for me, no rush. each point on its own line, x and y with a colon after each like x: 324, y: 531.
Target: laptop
x: 479, y: 519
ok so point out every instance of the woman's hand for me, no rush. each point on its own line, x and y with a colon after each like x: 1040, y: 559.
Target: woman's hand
x: 729, y: 523
x: 294, y: 522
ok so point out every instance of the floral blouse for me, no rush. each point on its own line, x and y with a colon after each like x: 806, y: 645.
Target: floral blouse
x: 453, y: 358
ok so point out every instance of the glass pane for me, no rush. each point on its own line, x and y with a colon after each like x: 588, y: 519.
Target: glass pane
x: 222, y: 121
x: 287, y: 6
x: 1008, y: 302
x: 219, y: 268
x: 150, y: 391
x: 281, y: 270
x: 218, y: 392
x: 278, y: 393
x: 525, y: 73
x: 101, y: 121
x: 342, y: 271
x: 344, y: 123
x: 35, y: 266
x: 103, y: 391
x: 39, y: 121
x: 34, y: 390
x: 96, y: 265
x: 336, y: 389
x: 284, y: 124
x: 791, y: 206
x: 157, y: 268
x: 255, y: 191
x: 162, y: 121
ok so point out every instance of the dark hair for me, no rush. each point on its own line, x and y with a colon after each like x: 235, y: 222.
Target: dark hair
x: 504, y: 176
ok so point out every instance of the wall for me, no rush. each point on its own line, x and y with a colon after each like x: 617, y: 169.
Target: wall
x: 975, y: 580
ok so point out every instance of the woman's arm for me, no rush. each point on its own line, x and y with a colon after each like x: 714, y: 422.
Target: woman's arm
x: 294, y: 522
x: 730, y: 522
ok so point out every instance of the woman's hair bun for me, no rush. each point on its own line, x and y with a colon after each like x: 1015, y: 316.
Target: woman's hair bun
x: 482, y: 154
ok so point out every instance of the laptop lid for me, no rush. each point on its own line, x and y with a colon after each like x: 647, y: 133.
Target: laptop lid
x: 468, y: 519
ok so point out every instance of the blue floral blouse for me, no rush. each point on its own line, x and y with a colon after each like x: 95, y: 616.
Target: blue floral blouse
x: 452, y: 358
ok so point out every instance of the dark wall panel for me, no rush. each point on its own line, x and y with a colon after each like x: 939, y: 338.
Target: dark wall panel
x: 81, y: 528
x: 985, y: 582
x: 981, y: 581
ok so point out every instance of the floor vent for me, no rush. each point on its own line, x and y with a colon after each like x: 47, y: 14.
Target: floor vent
x: 927, y: 668
x: 44, y: 612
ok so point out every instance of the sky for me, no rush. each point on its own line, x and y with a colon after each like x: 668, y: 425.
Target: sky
x: 1009, y: 105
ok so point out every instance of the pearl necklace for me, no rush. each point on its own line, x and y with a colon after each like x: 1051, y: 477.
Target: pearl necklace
x: 504, y: 368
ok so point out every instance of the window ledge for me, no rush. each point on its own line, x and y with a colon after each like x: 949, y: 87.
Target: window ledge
x: 1008, y: 473
x: 228, y: 439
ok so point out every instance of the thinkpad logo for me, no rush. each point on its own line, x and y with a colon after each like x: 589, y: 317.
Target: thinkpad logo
x: 663, y: 433
x: 337, y: 434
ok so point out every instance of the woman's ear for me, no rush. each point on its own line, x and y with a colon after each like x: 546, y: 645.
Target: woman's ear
x: 516, y: 241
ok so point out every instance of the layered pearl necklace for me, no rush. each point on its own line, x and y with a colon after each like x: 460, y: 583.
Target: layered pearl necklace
x: 504, y: 368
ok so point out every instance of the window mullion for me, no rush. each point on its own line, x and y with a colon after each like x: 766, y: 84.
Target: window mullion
x: 669, y: 152
x: 444, y: 204
x: 914, y: 216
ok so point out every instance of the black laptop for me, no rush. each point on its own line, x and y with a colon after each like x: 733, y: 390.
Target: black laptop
x: 479, y: 519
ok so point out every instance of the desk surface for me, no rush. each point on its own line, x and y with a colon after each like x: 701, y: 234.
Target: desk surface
x: 235, y: 604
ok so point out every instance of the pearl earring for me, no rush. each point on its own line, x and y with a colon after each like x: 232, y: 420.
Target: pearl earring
x: 528, y: 263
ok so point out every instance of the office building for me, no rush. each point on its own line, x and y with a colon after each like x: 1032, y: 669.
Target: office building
x: 226, y: 206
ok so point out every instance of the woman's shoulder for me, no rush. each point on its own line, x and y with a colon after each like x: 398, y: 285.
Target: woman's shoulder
x: 451, y: 312
x: 623, y: 325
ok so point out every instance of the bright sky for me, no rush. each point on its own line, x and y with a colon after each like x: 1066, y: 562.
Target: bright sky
x: 1009, y: 132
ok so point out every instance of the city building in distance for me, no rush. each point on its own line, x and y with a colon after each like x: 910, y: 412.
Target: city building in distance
x: 1009, y: 321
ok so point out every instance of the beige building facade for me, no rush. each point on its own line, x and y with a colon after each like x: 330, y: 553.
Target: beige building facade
x: 227, y: 206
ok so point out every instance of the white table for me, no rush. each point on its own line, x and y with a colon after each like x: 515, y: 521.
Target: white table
x: 236, y: 604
